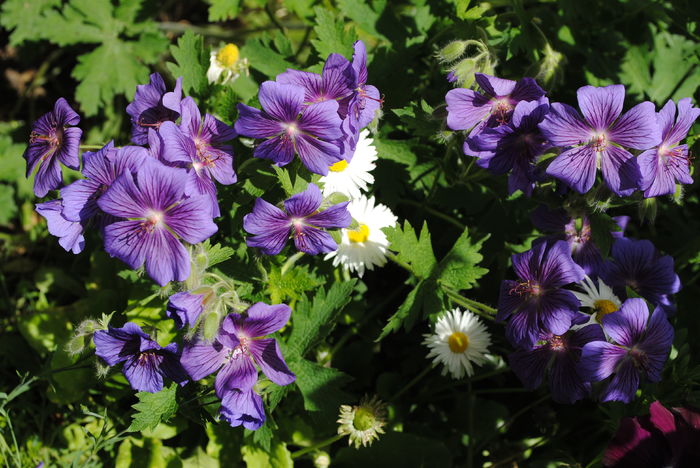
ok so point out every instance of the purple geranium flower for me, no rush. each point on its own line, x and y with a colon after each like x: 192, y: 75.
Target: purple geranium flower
x: 200, y: 146
x: 271, y: 226
x: 52, y: 142
x: 559, y: 353
x: 100, y: 168
x: 69, y: 233
x: 158, y: 216
x: 535, y: 303
x: 291, y: 128
x: 638, y: 265
x: 661, y: 167
x: 664, y: 438
x: 597, y: 139
x: 334, y: 83
x: 152, y: 106
x: 466, y: 108
x: 243, y: 407
x: 185, y: 308
x: 366, y: 100
x: 513, y: 147
x: 637, y: 348
x: 145, y: 361
x: 238, y: 347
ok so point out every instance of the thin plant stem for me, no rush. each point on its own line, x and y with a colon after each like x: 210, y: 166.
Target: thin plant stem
x: 317, y: 446
x: 410, y: 384
x: 464, y: 302
x: 479, y: 305
x: 91, y: 147
x: 290, y: 262
x: 400, y: 263
x: 436, y: 213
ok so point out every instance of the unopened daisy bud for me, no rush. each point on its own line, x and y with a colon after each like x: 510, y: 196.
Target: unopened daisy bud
x: 452, y: 51
x: 459, y: 340
x: 322, y: 459
x: 362, y: 423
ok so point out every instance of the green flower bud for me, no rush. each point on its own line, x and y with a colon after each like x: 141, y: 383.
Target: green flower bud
x: 452, y: 51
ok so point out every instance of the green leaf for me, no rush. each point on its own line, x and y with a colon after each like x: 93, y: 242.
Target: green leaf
x: 459, y: 268
x: 397, y: 151
x: 602, y: 225
x: 293, y: 284
x: 7, y: 201
x: 192, y: 62
x: 221, y: 10
x: 331, y: 35
x: 363, y: 15
x: 321, y: 387
x: 278, y: 456
x: 424, y: 299
x: 154, y: 408
x: 313, y: 321
x: 217, y: 253
x: 263, y: 57
x: 25, y: 19
x: 417, y: 252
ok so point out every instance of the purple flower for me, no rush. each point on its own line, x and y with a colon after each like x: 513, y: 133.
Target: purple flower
x: 238, y: 347
x: 638, y: 265
x: 100, y: 168
x: 69, y: 233
x: 637, y: 348
x: 199, y: 145
x: 366, y: 100
x: 291, y: 128
x: 513, y: 147
x: 467, y: 108
x: 597, y: 139
x: 152, y: 106
x: 575, y: 231
x: 271, y: 226
x: 243, y: 407
x: 561, y: 354
x: 158, y: 217
x: 535, y: 303
x: 185, y: 308
x: 661, y: 167
x: 334, y: 83
x: 145, y: 362
x: 663, y: 438
x: 52, y: 142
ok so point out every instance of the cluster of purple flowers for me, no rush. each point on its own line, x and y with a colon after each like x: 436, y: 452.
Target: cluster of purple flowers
x: 512, y: 124
x: 563, y: 325
x: 144, y: 200
x: 317, y: 117
x: 239, y: 345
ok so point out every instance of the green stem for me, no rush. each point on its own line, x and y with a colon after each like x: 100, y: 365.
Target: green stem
x: 290, y: 262
x: 479, y: 305
x: 436, y: 213
x: 400, y: 263
x: 244, y: 164
x: 91, y: 147
x: 467, y: 303
x: 410, y: 384
x: 317, y: 446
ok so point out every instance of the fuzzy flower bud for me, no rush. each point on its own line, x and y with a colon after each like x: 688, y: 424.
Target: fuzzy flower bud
x: 551, y: 67
x: 452, y: 51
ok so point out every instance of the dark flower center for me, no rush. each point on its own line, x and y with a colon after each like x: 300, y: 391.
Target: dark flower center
x: 639, y: 358
x: 557, y: 343
x: 526, y: 288
x: 501, y: 110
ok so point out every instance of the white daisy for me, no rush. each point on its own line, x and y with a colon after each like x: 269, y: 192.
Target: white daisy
x: 460, y: 338
x: 365, y: 246
x: 599, y: 299
x: 349, y: 178
x: 225, y: 64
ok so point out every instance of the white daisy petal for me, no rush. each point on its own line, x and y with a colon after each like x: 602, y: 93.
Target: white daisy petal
x: 364, y: 247
x: 351, y: 178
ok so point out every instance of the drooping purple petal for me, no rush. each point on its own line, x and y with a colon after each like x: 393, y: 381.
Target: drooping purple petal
x: 269, y: 358
x: 184, y: 308
x: 69, y: 233
x: 243, y: 408
x: 238, y: 373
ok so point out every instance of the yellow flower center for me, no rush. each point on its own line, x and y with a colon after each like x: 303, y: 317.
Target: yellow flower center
x: 339, y: 166
x: 228, y: 55
x: 458, y: 342
x: 361, y: 235
x: 604, y: 307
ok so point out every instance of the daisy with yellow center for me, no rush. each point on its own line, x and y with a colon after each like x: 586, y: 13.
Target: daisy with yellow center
x: 226, y: 64
x: 352, y: 177
x: 364, y: 246
x: 459, y: 340
x: 600, y: 299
